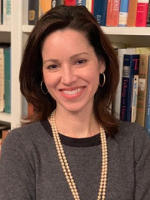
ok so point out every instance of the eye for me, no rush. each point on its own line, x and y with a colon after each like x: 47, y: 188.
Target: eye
x: 52, y: 67
x: 81, y: 61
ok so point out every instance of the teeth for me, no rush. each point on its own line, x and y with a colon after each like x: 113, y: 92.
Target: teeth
x: 72, y: 91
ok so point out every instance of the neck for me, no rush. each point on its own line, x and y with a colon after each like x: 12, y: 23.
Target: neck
x: 77, y: 125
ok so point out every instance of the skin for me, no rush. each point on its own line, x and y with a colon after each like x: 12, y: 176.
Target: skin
x: 71, y: 74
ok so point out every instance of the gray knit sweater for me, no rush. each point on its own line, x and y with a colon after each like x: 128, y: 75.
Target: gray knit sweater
x: 30, y: 168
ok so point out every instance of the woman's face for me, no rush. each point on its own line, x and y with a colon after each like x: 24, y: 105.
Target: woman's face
x: 71, y: 70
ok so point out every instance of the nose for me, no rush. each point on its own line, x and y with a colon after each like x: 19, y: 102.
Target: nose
x: 68, y: 75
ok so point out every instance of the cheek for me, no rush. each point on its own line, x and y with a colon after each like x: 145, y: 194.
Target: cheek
x: 48, y: 79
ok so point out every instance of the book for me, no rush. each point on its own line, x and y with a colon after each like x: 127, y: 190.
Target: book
x: 90, y: 5
x: 142, y: 89
x: 148, y: 15
x: 1, y: 11
x: 1, y: 80
x: 147, y: 117
x: 142, y: 50
x: 57, y: 3
x: 132, y: 9
x: 142, y: 11
x: 123, y: 12
x: 45, y: 5
x: 112, y: 16
x: 33, y: 11
x: 70, y: 2
x: 7, y: 80
x: 100, y: 11
x: 134, y: 98
x: 130, y: 69
x: 117, y: 99
x: 6, y: 12
x: 81, y: 2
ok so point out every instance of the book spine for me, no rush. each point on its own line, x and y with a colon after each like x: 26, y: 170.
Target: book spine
x: 45, y: 5
x: 142, y: 90
x: 123, y: 13
x: 6, y: 11
x: 90, y: 5
x: 130, y: 68
x: 7, y: 80
x: 132, y: 9
x: 141, y: 15
x: 70, y: 2
x: 81, y: 2
x: 134, y: 73
x: 1, y: 12
x: 57, y: 3
x: 33, y: 11
x: 100, y: 11
x: 147, y: 120
x: 148, y: 15
x: 1, y: 80
x: 134, y: 98
x: 112, y: 16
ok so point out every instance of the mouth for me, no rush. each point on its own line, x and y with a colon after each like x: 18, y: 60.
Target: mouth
x: 72, y: 92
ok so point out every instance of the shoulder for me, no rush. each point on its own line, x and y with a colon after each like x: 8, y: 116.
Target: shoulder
x: 132, y: 138
x: 131, y: 130
x: 27, y: 135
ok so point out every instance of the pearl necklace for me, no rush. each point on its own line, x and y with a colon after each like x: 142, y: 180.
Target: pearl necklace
x: 66, y: 168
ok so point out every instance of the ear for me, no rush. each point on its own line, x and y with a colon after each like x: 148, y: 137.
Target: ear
x: 102, y: 66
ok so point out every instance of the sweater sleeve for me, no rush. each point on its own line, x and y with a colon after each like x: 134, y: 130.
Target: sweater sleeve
x: 142, y: 165
x: 17, y: 179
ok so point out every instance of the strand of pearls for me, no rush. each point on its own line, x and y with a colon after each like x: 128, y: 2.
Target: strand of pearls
x: 66, y: 168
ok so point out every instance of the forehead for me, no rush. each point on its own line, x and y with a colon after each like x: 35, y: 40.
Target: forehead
x: 67, y: 35
x: 66, y: 42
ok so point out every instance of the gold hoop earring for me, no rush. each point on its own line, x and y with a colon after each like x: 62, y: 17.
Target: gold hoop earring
x: 44, y: 92
x: 104, y: 79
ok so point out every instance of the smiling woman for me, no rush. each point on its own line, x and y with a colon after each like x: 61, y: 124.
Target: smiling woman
x: 60, y: 31
x: 72, y: 147
x: 71, y: 75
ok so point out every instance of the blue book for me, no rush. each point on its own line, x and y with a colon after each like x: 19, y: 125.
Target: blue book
x: 1, y: 12
x: 123, y: 13
x: 130, y: 69
x: 100, y: 11
x: 7, y: 81
x: 81, y: 2
x: 147, y: 117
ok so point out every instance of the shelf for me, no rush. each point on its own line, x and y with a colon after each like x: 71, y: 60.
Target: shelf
x: 136, y: 31
x: 5, y: 117
x: 5, y: 28
x: 27, y: 28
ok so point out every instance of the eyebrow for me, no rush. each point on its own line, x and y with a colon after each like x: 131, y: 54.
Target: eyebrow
x: 71, y: 58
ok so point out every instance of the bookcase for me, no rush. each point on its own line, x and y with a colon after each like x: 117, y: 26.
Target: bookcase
x: 17, y: 33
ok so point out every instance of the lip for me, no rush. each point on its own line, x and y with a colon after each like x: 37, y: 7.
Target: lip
x: 72, y: 93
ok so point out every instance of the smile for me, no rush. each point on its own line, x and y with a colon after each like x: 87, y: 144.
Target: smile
x: 72, y: 92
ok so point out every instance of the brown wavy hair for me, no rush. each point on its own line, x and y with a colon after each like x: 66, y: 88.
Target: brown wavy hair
x: 80, y: 19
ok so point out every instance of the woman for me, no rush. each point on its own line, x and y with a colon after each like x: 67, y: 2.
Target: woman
x: 73, y: 147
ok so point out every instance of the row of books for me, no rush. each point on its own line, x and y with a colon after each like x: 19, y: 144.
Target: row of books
x: 5, y: 78
x: 132, y: 101
x: 107, y: 12
x: 5, y: 12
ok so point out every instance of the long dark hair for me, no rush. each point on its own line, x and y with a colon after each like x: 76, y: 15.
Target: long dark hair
x: 80, y: 19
